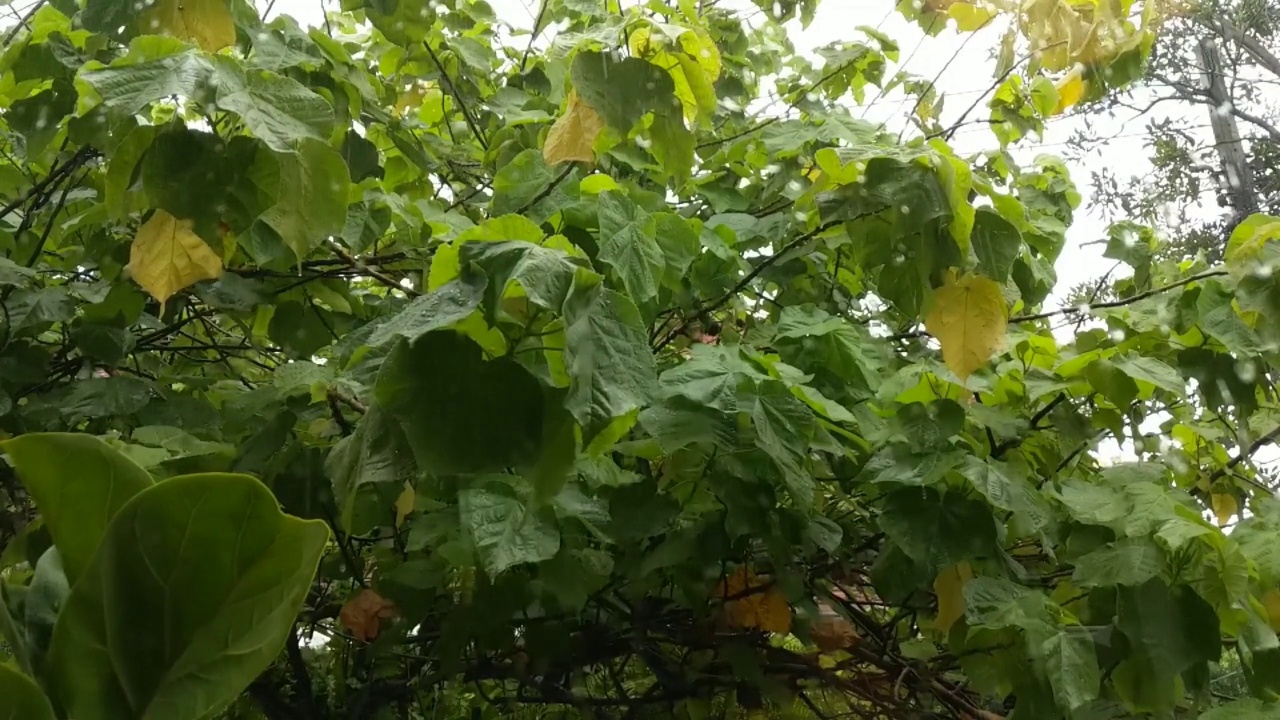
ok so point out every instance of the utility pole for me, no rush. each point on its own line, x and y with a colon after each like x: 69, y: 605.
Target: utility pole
x: 1226, y: 134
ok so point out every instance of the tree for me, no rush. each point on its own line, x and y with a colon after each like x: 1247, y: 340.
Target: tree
x: 395, y: 369
x: 1189, y: 172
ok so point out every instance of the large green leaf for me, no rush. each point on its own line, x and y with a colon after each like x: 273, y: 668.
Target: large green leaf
x: 448, y: 304
x: 543, y: 273
x: 79, y: 483
x: 278, y: 110
x: 607, y: 355
x: 1129, y: 561
x: 622, y: 89
x: 505, y: 530
x: 628, y: 245
x: 189, y: 598
x: 937, y: 529
x: 21, y: 698
x: 996, y: 242
x: 309, y: 188
x: 461, y: 413
x: 1071, y: 667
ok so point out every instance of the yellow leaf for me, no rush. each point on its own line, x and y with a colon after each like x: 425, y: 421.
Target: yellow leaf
x: 1071, y: 89
x: 573, y: 134
x: 949, y: 586
x: 754, y: 602
x: 207, y: 23
x: 1224, y: 506
x: 167, y: 256
x: 969, y: 17
x: 1271, y: 601
x: 968, y: 318
x: 404, y: 503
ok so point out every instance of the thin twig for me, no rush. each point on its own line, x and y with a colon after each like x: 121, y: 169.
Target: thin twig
x: 457, y: 96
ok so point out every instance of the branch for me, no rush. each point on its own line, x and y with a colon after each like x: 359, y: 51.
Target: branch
x: 1245, y: 454
x: 746, y: 280
x: 453, y: 90
x: 546, y: 191
x: 361, y: 267
x: 1081, y: 309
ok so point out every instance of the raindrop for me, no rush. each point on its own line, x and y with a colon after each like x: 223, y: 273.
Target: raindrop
x: 155, y: 23
x: 1224, y: 109
x: 1246, y: 371
x: 263, y: 36
x: 800, y: 216
x: 1263, y: 270
x: 795, y: 186
x: 1082, y: 308
x: 424, y: 12
x: 906, y: 210
x: 650, y: 86
x: 643, y: 141
x: 1116, y: 335
x: 898, y: 258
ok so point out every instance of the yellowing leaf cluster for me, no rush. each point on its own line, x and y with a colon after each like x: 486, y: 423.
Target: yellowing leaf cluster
x: 751, y: 602
x: 573, y: 135
x: 969, y: 319
x: 167, y: 256
x: 207, y: 23
x: 1225, y: 506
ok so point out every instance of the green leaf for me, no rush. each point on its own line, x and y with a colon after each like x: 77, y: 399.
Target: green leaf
x: 36, y: 307
x: 611, y: 368
x: 506, y: 531
x: 1071, y: 667
x: 521, y: 183
x: 1128, y: 561
x: 996, y: 242
x: 543, y: 273
x: 998, y: 603
x: 1154, y: 371
x: 1007, y: 488
x: 628, y: 245
x: 21, y: 698
x: 14, y: 275
x: 438, y: 309
x: 460, y: 412
x: 190, y: 597
x: 936, y: 529
x: 368, y: 470
x: 309, y: 188
x: 783, y: 427
x: 1169, y: 631
x: 79, y: 483
x: 126, y: 89
x: 622, y: 89
x: 1219, y: 320
x: 278, y: 110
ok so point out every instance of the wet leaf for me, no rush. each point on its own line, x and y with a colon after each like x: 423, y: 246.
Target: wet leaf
x: 572, y: 136
x: 968, y: 318
x: 167, y: 256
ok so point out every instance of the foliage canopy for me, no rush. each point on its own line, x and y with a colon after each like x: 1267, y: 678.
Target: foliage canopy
x: 589, y: 380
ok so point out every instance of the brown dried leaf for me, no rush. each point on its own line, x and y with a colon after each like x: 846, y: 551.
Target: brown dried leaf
x: 363, y: 614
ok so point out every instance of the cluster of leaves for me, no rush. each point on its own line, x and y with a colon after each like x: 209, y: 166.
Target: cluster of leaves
x: 619, y: 395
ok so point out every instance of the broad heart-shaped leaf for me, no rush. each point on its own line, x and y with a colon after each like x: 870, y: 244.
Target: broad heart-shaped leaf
x: 628, y: 245
x: 996, y: 242
x: 1128, y: 561
x: 505, y: 530
x: 572, y: 136
x: 368, y: 469
x: 1072, y: 668
x: 310, y: 190
x: 438, y: 309
x: 607, y: 355
x: 622, y: 90
x: 938, y: 530
x: 207, y: 23
x: 189, y: 598
x: 1169, y: 630
x: 79, y: 483
x: 544, y: 273
x: 460, y: 412
x: 278, y: 110
x: 968, y: 318
x: 167, y: 256
x: 21, y: 698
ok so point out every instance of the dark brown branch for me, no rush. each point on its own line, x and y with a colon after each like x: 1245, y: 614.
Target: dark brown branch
x: 457, y: 96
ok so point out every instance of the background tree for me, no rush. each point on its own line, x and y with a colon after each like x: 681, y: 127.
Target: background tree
x: 1190, y: 193
x: 592, y: 384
